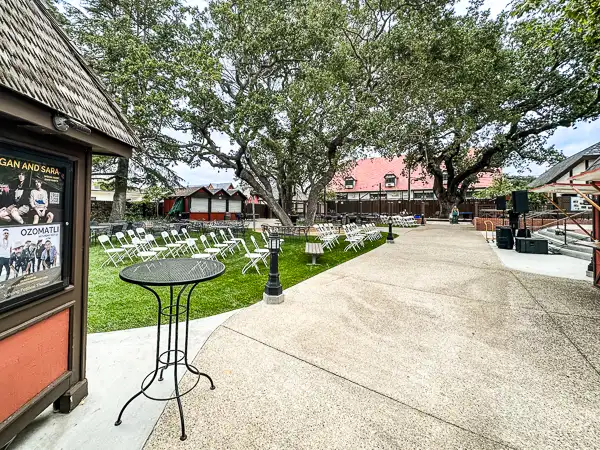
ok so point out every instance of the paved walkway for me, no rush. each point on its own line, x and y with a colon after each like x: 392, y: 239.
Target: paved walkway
x: 430, y: 343
x: 551, y: 265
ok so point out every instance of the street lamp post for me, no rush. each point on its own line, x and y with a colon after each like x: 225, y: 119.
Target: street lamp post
x: 390, y: 236
x: 273, y: 290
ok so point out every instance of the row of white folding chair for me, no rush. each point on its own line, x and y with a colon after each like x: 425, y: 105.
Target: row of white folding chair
x: 404, y: 221
x: 327, y: 235
x: 144, y: 246
x: 116, y: 254
x: 371, y: 232
x: 354, y: 237
x: 175, y: 245
x: 410, y: 221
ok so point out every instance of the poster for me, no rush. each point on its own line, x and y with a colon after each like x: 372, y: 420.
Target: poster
x: 30, y: 259
x: 32, y: 215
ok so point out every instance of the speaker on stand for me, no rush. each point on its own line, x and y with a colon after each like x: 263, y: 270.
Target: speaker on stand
x: 520, y: 205
x: 501, y: 206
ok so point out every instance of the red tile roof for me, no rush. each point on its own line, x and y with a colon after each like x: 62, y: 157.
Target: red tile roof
x: 368, y: 173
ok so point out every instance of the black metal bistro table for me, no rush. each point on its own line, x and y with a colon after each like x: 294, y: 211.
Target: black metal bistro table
x: 184, y: 272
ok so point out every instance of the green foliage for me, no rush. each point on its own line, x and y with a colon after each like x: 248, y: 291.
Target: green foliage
x: 504, y: 185
x: 143, y: 51
x: 295, y: 95
x: 580, y: 17
x: 154, y: 194
x: 490, y: 92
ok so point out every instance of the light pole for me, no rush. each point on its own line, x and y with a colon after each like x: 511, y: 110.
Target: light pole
x: 390, y: 236
x: 273, y: 290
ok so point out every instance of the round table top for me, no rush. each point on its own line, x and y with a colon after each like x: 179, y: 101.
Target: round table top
x: 172, y: 271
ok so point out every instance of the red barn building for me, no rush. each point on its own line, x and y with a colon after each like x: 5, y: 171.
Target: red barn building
x: 206, y: 202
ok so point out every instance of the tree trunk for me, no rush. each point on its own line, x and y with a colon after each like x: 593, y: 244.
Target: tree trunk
x: 119, y: 205
x: 276, y: 208
x: 286, y: 196
x: 314, y: 197
x: 447, y: 200
x: 267, y: 196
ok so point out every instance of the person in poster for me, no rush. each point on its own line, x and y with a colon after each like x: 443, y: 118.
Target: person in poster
x: 49, y: 255
x: 17, y: 206
x: 29, y: 251
x: 18, y: 260
x: 39, y: 203
x: 38, y: 254
x: 5, y: 253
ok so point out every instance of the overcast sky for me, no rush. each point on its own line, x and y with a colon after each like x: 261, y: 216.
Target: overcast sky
x: 568, y: 140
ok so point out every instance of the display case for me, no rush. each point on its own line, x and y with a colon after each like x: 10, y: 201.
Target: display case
x: 36, y: 207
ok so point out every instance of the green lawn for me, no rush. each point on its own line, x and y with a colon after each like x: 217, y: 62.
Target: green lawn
x: 116, y: 305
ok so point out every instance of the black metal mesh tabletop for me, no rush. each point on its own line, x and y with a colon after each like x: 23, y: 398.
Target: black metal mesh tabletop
x: 171, y: 272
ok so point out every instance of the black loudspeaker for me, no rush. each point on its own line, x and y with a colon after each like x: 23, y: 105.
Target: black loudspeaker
x: 523, y: 233
x: 501, y: 203
x: 504, y: 238
x: 532, y: 245
x: 520, y: 202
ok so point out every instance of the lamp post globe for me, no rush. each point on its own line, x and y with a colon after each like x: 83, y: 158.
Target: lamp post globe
x: 390, y: 236
x: 273, y: 290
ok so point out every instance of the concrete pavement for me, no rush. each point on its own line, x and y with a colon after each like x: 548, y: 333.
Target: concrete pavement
x: 427, y: 344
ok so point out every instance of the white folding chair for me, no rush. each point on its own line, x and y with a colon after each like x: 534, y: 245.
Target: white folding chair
x: 232, y: 244
x: 325, y: 236
x: 177, y: 239
x: 173, y: 247
x: 125, y: 245
x: 141, y: 251
x: 208, y: 249
x: 233, y: 238
x: 203, y: 256
x: 263, y: 252
x: 114, y: 255
x: 153, y: 246
x: 253, y: 258
x: 141, y: 233
x: 353, y: 238
x: 192, y: 247
x: 216, y: 244
x: 186, y: 235
x: 131, y: 234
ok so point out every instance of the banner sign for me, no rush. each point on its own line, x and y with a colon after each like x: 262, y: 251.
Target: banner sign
x: 32, y: 223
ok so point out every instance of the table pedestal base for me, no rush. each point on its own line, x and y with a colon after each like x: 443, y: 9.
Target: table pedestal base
x: 172, y: 356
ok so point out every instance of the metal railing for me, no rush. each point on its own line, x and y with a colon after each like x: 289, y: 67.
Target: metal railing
x: 562, y: 223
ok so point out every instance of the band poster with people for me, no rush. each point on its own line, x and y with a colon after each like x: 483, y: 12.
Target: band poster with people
x: 32, y: 209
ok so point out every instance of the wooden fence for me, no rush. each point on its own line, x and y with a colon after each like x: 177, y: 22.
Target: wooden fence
x: 430, y: 208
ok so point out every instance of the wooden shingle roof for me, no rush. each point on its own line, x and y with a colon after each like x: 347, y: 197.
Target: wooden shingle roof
x: 38, y: 61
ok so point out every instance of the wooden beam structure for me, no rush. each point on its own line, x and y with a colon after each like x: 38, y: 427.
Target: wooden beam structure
x: 569, y: 217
